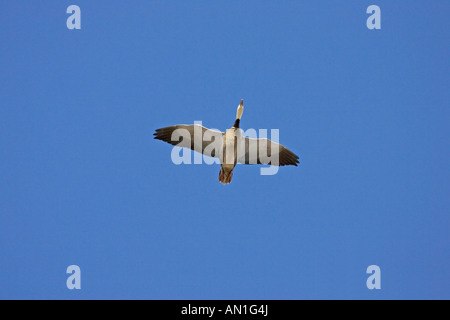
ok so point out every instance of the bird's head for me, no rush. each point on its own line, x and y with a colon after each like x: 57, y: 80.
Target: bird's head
x: 240, y: 110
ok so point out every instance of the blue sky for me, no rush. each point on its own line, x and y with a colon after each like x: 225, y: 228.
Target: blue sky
x: 82, y: 181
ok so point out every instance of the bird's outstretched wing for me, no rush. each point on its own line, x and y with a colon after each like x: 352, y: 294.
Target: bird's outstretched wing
x: 195, y: 137
x: 264, y: 151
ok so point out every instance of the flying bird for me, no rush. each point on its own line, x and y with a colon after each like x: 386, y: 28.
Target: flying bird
x: 229, y: 146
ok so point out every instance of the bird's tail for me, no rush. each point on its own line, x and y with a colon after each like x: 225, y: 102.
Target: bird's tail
x: 225, y: 176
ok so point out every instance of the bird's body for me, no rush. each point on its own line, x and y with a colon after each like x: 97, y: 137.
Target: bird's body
x: 229, y: 152
x: 229, y: 146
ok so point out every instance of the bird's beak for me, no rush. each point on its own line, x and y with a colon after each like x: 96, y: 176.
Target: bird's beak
x: 240, y: 110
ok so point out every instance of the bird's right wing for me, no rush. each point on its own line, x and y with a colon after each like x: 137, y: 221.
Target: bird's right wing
x: 195, y: 137
x: 265, y: 151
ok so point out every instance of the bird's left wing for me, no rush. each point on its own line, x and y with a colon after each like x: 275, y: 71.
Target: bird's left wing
x: 195, y: 137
